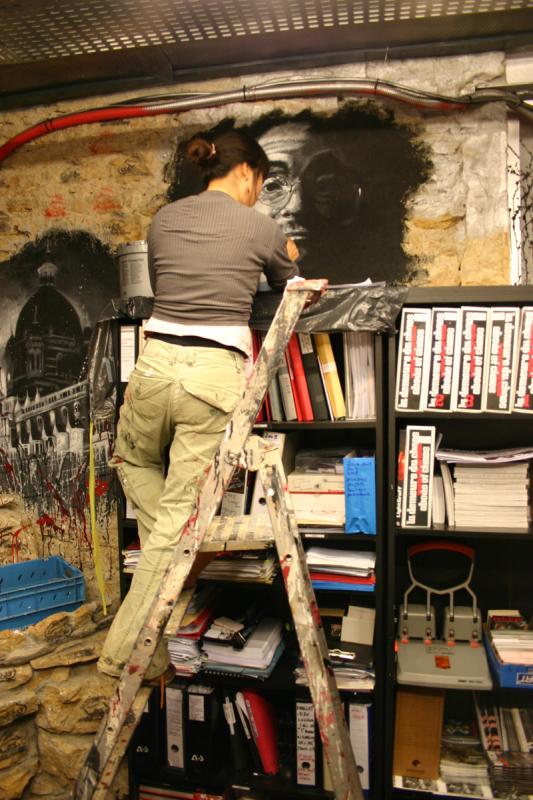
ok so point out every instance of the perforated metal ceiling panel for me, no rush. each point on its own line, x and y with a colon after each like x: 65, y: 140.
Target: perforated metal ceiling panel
x: 68, y: 43
x: 58, y: 28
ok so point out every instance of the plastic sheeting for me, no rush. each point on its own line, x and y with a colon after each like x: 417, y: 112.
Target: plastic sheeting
x: 344, y: 308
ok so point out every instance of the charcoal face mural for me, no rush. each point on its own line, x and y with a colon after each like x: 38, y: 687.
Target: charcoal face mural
x: 54, y: 290
x: 338, y: 186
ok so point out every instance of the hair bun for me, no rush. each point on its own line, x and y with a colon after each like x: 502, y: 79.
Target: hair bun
x: 200, y: 151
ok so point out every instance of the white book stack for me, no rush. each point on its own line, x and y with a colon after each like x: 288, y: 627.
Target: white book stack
x: 359, y: 372
x: 492, y: 496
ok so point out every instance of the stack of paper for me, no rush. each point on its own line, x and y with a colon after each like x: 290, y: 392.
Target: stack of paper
x: 256, y: 658
x: 131, y: 555
x: 184, y: 635
x: 257, y: 566
x: 492, y: 496
x: 507, y: 739
x: 342, y: 570
x: 359, y: 371
x: 491, y: 487
x: 510, y: 637
x: 349, y: 637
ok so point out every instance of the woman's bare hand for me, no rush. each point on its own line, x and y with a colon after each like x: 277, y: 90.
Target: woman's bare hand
x: 292, y: 250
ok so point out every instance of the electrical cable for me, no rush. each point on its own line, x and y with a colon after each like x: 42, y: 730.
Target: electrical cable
x: 171, y: 104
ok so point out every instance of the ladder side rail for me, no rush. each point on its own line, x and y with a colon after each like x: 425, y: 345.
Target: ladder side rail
x: 313, y: 646
x: 96, y: 768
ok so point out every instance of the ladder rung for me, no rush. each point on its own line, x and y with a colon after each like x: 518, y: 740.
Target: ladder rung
x: 245, y: 532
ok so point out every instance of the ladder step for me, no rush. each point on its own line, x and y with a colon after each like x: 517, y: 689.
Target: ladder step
x: 245, y: 532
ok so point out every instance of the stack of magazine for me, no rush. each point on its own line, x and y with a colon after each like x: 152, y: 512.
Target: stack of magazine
x: 342, y: 570
x: 510, y: 637
x: 490, y: 489
x: 184, y: 637
x: 258, y: 566
x: 253, y: 650
x: 507, y: 739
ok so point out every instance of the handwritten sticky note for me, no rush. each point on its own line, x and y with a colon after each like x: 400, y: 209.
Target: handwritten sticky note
x: 360, y: 494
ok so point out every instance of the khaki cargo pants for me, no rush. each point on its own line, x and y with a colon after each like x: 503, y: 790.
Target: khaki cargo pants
x: 182, y: 397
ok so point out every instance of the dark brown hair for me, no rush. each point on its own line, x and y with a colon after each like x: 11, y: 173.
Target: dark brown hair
x: 219, y: 155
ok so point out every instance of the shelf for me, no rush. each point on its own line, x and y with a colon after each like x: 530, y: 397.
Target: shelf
x: 308, y: 532
x: 462, y: 416
x: 277, y: 787
x: 343, y: 424
x: 468, y: 533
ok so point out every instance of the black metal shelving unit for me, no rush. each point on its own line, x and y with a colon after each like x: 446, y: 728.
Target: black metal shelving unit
x: 366, y: 434
x: 504, y: 557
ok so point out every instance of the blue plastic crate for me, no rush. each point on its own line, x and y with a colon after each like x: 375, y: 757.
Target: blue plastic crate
x: 32, y: 590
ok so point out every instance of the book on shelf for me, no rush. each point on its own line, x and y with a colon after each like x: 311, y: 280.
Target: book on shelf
x: 400, y: 475
x: 287, y: 397
x: 359, y: 375
x: 330, y: 375
x: 523, y: 385
x: 262, y: 721
x: 471, y: 359
x: 235, y: 498
x: 307, y: 744
x: 286, y: 443
x: 297, y: 374
x: 274, y: 396
x: 360, y: 730
x: 314, y: 381
x: 128, y: 350
x: 501, y: 358
x: 441, y: 352
x: 418, y: 476
x: 413, y: 346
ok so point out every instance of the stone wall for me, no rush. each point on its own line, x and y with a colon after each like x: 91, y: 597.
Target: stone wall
x: 110, y: 178
x: 52, y: 700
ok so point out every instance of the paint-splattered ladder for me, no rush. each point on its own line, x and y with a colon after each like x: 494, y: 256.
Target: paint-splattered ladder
x: 200, y: 532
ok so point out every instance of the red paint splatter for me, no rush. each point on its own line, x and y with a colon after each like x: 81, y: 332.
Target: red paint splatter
x: 101, y: 487
x: 106, y: 201
x: 56, y: 207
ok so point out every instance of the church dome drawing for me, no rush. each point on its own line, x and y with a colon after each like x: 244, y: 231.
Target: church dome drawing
x: 46, y: 351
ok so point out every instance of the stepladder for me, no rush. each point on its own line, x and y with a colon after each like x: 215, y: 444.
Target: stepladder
x: 203, y: 531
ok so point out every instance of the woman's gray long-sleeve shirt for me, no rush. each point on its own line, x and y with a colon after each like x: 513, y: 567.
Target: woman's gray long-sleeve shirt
x: 206, y: 255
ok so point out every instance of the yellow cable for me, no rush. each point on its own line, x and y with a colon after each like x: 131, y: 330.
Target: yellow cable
x: 95, y: 536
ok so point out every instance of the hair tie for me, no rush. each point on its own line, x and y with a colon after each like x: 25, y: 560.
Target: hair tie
x: 212, y: 152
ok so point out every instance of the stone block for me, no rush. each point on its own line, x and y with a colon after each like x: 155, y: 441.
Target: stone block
x: 17, y: 741
x: 46, y: 785
x: 72, y: 652
x: 15, y: 676
x: 77, y: 705
x: 16, y: 704
x: 63, y: 755
x: 14, y: 780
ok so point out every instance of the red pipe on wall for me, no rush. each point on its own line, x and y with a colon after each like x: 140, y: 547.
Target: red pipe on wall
x: 317, y: 88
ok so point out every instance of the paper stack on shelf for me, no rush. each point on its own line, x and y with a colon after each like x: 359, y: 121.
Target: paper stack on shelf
x: 257, y: 566
x: 256, y: 657
x: 511, y: 770
x: 510, y: 637
x: 359, y: 375
x: 349, y: 637
x: 490, y: 488
x: 131, y: 555
x: 342, y: 570
x: 184, y: 641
